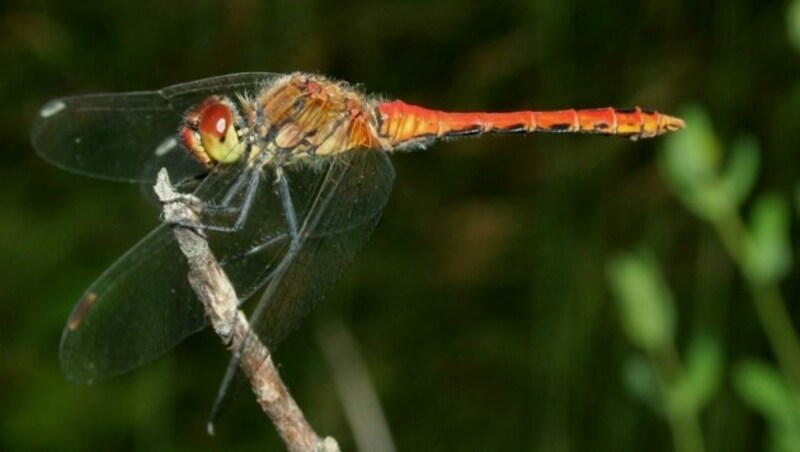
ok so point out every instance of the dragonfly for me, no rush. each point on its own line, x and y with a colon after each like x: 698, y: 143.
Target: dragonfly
x: 293, y: 174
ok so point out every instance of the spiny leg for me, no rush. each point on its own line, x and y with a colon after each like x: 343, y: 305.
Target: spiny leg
x: 289, y: 213
x: 247, y: 202
x: 233, y: 191
x: 288, y: 206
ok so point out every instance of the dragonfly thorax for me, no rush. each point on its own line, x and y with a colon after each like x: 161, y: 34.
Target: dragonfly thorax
x: 310, y: 116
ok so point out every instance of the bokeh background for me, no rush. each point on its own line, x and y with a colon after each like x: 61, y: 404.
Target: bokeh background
x: 548, y: 293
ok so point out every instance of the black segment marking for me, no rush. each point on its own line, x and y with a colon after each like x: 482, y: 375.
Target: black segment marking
x: 516, y: 128
x: 560, y: 127
x: 626, y: 111
x: 474, y: 130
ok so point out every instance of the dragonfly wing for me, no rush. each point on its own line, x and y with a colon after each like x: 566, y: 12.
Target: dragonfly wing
x: 129, y: 136
x: 143, y: 305
x: 138, y: 309
x: 342, y: 212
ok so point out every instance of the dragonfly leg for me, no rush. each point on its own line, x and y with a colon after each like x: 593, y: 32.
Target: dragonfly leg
x: 291, y: 220
x: 224, y: 206
x: 233, y: 191
x: 222, y: 392
x: 288, y: 206
x: 247, y: 202
x: 248, y: 183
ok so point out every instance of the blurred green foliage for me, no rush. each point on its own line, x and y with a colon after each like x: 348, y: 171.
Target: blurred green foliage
x: 482, y: 304
x: 645, y: 304
x: 692, y: 165
x: 647, y: 313
x: 767, y: 393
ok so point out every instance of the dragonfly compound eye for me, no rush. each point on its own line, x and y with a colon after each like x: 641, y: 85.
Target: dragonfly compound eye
x: 210, y: 133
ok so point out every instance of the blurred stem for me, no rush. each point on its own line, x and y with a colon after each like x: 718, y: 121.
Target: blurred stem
x: 782, y: 336
x: 684, y: 424
x: 768, y: 300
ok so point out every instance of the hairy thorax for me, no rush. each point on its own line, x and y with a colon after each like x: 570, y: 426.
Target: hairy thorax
x: 303, y: 116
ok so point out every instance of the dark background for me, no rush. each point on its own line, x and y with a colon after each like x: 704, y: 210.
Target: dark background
x: 481, y: 305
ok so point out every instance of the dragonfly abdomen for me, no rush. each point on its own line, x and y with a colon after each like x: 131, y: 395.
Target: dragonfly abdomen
x: 408, y: 125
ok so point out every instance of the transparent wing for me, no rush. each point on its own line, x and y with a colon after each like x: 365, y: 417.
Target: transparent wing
x: 129, y: 136
x: 142, y: 306
x: 136, y: 310
x: 338, y: 216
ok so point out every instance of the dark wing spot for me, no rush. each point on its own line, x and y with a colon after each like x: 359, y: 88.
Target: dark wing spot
x: 80, y: 311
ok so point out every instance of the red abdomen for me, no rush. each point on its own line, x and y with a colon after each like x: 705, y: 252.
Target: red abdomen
x: 403, y: 124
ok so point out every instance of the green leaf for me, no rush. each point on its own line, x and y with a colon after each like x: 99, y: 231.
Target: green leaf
x: 693, y: 155
x: 762, y: 387
x: 701, y: 377
x: 691, y: 164
x: 793, y: 24
x: 640, y: 379
x: 764, y: 390
x: 742, y: 169
x: 768, y: 256
x: 644, y: 301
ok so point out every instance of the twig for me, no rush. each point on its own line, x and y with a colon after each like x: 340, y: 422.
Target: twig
x: 220, y: 302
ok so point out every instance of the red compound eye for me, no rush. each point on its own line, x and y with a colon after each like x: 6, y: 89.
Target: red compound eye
x: 210, y: 134
x: 215, y: 120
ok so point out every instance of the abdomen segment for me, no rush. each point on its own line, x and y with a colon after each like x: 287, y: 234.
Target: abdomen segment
x: 403, y: 124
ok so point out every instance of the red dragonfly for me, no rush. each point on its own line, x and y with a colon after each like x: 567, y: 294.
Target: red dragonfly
x: 293, y: 174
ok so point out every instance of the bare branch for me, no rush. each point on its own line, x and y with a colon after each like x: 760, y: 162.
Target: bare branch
x: 220, y: 302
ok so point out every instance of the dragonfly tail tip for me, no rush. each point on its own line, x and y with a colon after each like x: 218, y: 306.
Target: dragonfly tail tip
x: 672, y: 124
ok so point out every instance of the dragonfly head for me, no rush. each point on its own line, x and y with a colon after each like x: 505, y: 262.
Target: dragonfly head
x: 209, y: 132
